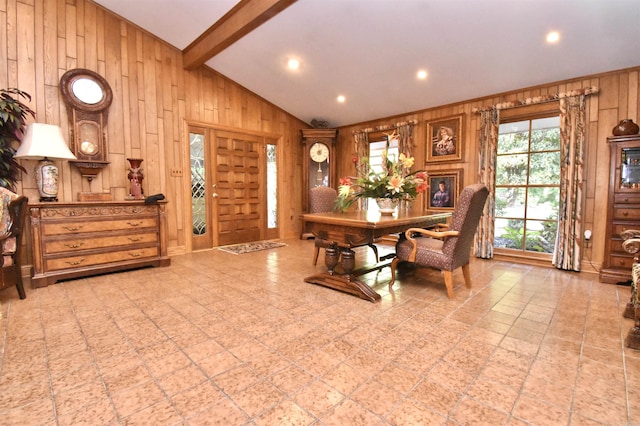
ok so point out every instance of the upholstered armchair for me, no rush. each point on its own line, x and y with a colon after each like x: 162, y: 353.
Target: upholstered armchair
x: 13, y: 209
x: 447, y: 247
x: 322, y: 199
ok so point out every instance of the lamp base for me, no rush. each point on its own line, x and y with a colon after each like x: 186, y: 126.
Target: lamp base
x: 47, y: 180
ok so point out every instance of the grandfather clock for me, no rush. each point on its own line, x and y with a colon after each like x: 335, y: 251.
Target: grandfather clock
x: 319, y: 165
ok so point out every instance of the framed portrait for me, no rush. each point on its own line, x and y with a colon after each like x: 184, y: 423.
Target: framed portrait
x: 444, y: 188
x: 444, y: 139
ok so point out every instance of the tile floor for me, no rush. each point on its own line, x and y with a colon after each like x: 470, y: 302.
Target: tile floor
x: 227, y: 339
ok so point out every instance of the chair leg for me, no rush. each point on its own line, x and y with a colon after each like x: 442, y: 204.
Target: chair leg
x: 315, y: 256
x: 467, y: 275
x: 394, y: 265
x: 448, y: 281
x: 375, y: 251
x: 20, y: 286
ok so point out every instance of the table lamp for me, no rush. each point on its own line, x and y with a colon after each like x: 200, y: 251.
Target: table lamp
x: 44, y: 142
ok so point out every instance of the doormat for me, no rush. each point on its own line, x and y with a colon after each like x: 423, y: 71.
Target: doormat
x: 251, y: 247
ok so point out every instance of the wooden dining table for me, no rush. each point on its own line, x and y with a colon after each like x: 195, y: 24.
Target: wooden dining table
x: 344, y: 231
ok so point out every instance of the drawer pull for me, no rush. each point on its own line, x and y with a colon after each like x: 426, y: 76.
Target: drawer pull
x: 135, y: 254
x: 134, y: 240
x: 134, y: 223
x: 625, y: 213
x: 75, y: 262
x: 72, y: 228
x: 73, y: 245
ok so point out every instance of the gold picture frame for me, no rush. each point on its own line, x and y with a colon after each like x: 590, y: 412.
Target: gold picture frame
x: 443, y: 198
x: 445, y: 139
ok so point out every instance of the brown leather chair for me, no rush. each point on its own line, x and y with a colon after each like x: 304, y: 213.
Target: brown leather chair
x: 14, y: 208
x: 322, y: 199
x: 448, y: 247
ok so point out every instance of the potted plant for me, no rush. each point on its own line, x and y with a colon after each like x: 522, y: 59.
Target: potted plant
x: 13, y: 120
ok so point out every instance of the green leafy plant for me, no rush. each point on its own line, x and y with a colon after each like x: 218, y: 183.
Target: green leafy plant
x: 13, y: 120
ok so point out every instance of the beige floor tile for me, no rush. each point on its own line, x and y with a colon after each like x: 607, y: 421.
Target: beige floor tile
x: 470, y: 412
x: 102, y: 413
x: 160, y: 413
x: 377, y: 398
x: 350, y: 413
x: 540, y: 412
x: 219, y: 339
x: 493, y: 394
x: 258, y: 398
x: 287, y: 413
x: 318, y: 398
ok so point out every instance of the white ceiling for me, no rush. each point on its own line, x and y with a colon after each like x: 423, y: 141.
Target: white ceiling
x: 370, y: 50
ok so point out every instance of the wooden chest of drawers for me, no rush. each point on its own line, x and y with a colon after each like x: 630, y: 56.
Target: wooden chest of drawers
x: 623, y: 212
x: 71, y: 240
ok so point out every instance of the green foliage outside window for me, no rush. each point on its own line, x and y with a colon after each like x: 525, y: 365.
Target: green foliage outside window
x: 527, y: 185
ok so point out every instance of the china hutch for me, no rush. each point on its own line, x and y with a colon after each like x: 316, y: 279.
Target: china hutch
x: 623, y: 212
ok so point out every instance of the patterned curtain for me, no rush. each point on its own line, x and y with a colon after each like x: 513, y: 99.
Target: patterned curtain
x: 488, y: 148
x: 361, y: 144
x: 362, y: 150
x: 405, y: 141
x: 567, y: 253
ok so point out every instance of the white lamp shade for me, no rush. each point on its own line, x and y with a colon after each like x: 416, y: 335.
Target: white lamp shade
x: 44, y: 141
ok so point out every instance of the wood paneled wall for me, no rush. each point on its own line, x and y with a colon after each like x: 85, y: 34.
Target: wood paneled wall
x: 153, y: 98
x: 619, y: 98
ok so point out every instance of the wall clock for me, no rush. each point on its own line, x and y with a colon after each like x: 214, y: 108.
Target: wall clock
x: 88, y: 97
x: 319, y: 166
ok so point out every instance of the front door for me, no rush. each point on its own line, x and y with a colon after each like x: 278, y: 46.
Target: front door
x: 234, y: 187
x: 238, y: 187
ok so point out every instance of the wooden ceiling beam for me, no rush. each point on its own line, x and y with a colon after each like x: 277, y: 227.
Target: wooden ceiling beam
x: 245, y: 16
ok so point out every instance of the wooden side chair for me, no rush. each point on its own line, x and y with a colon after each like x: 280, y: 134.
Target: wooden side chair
x: 12, y: 218
x: 322, y: 199
x: 448, y: 247
x: 631, y: 244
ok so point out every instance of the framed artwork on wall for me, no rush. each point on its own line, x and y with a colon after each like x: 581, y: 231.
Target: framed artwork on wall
x: 444, y: 188
x: 444, y: 139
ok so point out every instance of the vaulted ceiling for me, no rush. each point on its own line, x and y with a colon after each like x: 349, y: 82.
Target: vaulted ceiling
x: 369, y: 51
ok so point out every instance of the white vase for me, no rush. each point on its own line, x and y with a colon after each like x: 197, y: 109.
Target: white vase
x: 387, y: 205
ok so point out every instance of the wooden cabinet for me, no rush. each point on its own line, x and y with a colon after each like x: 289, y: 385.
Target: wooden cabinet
x: 623, y: 206
x: 71, y: 240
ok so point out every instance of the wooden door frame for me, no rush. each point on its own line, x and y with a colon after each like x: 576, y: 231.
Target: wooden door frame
x: 209, y: 128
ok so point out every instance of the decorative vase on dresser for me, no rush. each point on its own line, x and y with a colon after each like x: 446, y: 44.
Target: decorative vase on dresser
x: 626, y: 127
x: 623, y: 210
x: 72, y: 240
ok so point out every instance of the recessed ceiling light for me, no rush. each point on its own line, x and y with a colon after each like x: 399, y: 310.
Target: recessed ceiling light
x: 341, y: 99
x: 553, y: 37
x: 293, y: 64
x: 422, y: 74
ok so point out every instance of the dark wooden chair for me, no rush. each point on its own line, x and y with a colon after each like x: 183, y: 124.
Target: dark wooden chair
x: 631, y: 244
x: 449, y: 246
x: 14, y: 209
x: 322, y: 199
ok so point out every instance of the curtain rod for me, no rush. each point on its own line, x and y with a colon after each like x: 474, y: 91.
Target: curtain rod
x: 539, y: 99
x: 384, y: 127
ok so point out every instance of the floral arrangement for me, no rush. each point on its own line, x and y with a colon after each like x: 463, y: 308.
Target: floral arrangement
x: 395, y: 181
